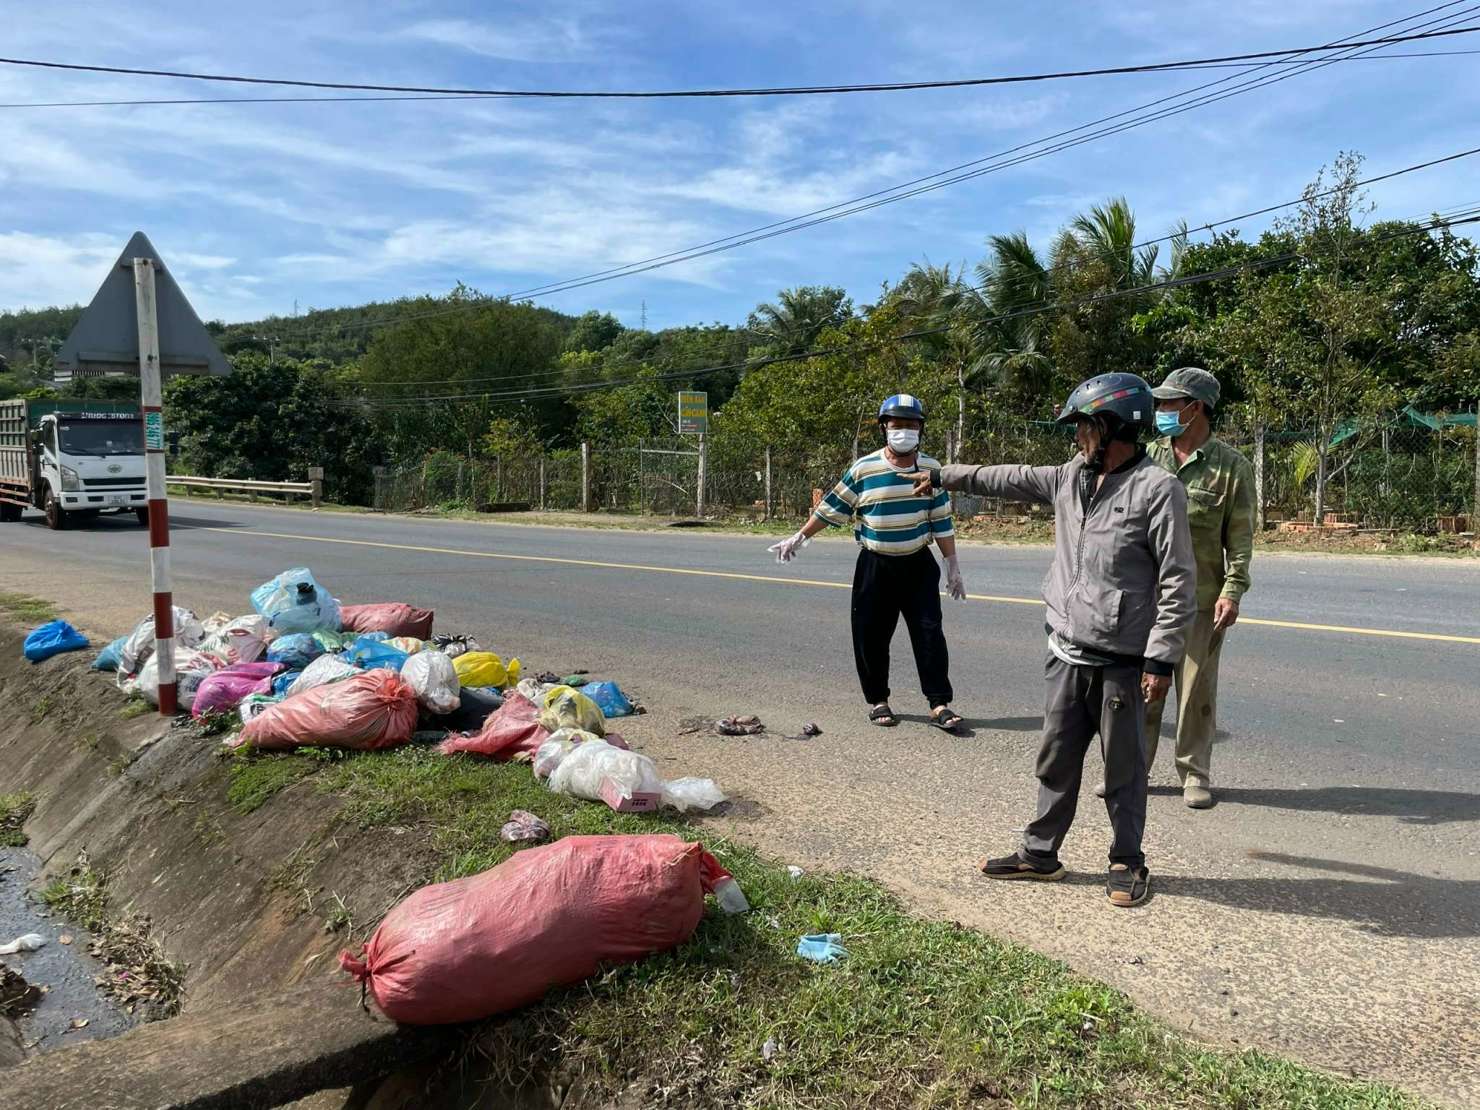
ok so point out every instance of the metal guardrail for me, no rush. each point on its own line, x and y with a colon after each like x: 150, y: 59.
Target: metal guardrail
x: 312, y: 489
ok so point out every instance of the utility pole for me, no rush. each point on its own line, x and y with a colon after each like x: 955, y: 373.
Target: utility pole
x: 703, y: 478
x: 152, y: 397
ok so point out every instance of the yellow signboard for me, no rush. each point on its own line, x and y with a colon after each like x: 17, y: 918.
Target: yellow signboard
x: 693, y: 413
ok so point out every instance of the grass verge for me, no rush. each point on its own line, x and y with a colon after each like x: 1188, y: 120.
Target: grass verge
x: 921, y: 1013
x: 27, y: 609
x: 14, y: 809
x: 137, y: 976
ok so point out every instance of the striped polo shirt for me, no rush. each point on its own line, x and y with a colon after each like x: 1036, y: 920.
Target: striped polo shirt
x: 879, y: 500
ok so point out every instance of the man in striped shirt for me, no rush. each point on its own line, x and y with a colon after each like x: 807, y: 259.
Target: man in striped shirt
x: 896, y: 575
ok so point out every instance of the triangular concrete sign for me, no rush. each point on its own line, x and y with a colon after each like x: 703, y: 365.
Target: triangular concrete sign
x: 106, y: 338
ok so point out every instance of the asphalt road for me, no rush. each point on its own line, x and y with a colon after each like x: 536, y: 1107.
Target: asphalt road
x: 1327, y: 907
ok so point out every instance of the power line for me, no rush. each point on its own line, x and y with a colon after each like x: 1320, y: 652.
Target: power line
x: 1185, y: 66
x: 1252, y: 266
x: 785, y: 90
x: 952, y: 175
x: 984, y: 286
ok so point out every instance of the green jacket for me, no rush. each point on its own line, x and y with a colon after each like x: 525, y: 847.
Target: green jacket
x: 1220, y: 513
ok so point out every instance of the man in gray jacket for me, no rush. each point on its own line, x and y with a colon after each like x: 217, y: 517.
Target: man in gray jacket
x: 1121, y: 594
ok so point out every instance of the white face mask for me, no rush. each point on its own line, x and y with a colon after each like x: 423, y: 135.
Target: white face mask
x: 902, y: 441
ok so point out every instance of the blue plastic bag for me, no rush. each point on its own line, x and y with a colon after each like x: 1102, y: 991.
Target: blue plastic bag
x: 609, y: 698
x: 295, y: 602
x: 281, y: 682
x: 295, y: 651
x: 369, y: 653
x: 822, y: 948
x: 51, y: 639
x: 107, y: 659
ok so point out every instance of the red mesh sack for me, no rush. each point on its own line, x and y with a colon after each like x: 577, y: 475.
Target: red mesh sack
x: 508, y: 731
x: 373, y: 709
x: 394, y: 618
x: 546, y: 918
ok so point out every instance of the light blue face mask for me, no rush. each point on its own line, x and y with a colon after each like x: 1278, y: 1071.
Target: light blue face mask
x: 1170, y: 424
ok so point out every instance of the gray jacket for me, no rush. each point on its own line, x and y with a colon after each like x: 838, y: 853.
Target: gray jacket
x: 1123, y: 580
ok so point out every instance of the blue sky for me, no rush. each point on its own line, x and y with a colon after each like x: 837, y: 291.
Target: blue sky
x: 257, y: 206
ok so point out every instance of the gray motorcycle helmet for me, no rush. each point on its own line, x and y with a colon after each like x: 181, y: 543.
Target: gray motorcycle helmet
x: 1124, y: 397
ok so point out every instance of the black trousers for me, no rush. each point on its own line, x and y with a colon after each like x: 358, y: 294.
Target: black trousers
x: 886, y: 587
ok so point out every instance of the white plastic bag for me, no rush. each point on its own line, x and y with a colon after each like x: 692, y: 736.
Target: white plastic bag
x: 189, y: 632
x: 686, y: 794
x: 581, y: 773
x: 550, y: 755
x: 215, y: 622
x: 434, y: 678
x: 191, y: 668
x: 322, y: 671
x: 242, y: 640
x: 534, y: 691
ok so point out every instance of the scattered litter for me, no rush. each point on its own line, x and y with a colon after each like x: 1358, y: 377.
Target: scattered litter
x: 547, y: 678
x: 30, y: 942
x: 535, y: 688
x: 65, y: 938
x: 524, y: 826
x: 599, y: 772
x: 811, y: 728
x: 822, y: 948
x: 391, y: 617
x: 575, y: 680
x: 690, y: 793
x: 53, y: 638
x: 768, y: 1050
x: 254, y: 704
x: 739, y: 726
x: 549, y: 916
x: 794, y: 871
x: 79, y: 1023
x: 367, y: 711
x: 730, y: 898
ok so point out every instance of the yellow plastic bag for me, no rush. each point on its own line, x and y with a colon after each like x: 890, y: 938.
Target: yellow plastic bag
x: 483, y: 668
x: 569, y: 708
x: 409, y: 644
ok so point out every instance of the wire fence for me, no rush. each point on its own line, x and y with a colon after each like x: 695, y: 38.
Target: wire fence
x: 1383, y: 476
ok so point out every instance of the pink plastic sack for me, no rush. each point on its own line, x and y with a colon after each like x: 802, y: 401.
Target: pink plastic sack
x: 548, y: 917
x: 225, y: 689
x: 373, y: 709
x: 508, y: 731
x: 391, y: 617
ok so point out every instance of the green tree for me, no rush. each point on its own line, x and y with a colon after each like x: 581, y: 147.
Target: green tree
x: 798, y: 317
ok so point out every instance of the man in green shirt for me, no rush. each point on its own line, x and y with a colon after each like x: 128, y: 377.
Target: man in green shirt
x: 1220, y: 513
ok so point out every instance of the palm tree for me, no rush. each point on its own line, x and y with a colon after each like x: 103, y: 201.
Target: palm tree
x: 798, y: 317
x: 1106, y: 236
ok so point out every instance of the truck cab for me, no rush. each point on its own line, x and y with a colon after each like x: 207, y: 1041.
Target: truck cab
x: 80, y: 459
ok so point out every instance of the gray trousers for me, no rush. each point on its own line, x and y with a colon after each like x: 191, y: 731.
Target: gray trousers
x: 1083, y: 702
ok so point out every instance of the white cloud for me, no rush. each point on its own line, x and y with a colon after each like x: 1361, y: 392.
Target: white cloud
x: 543, y: 40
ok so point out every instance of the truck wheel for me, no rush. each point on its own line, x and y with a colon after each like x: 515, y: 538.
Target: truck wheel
x: 143, y: 515
x: 56, y: 516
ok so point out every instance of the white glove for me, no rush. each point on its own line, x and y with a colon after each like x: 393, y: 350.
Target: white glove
x: 954, y: 586
x: 787, y: 549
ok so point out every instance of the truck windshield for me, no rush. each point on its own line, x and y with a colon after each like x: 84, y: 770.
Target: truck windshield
x: 102, y: 437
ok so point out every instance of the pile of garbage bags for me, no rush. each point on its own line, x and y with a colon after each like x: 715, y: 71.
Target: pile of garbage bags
x: 304, y: 669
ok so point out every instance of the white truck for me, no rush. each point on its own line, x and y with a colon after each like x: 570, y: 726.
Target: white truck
x: 71, y: 459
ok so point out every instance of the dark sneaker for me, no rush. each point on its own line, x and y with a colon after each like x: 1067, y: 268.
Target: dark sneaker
x: 1016, y: 867
x: 1127, y: 887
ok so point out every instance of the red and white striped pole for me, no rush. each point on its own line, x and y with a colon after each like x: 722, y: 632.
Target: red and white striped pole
x: 152, y: 392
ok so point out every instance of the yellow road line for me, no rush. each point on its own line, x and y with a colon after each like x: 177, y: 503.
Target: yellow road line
x: 556, y: 559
